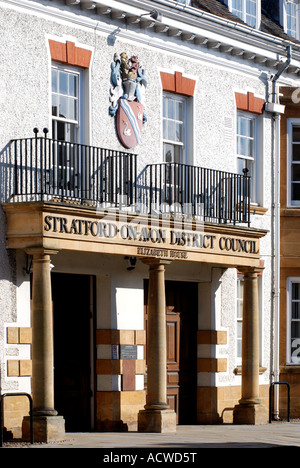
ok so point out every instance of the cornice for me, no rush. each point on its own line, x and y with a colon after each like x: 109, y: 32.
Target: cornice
x: 119, y: 215
x: 190, y: 26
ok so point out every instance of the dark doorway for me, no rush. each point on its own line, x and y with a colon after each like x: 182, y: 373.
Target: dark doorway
x: 72, y: 316
x: 182, y: 325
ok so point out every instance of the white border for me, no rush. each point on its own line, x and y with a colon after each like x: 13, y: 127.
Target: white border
x: 289, y: 138
x: 289, y: 281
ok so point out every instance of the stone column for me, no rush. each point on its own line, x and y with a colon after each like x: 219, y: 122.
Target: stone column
x: 250, y: 410
x: 157, y: 416
x: 47, y: 425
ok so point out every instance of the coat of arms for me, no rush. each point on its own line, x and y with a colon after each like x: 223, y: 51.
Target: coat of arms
x: 129, y: 83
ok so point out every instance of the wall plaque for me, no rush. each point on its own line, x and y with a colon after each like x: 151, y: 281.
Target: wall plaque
x: 128, y: 352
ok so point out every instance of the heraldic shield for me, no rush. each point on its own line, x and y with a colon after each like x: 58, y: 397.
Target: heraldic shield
x: 129, y: 122
x: 126, y: 97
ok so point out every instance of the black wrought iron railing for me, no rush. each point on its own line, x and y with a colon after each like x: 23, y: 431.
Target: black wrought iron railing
x: 214, y: 195
x: 41, y: 168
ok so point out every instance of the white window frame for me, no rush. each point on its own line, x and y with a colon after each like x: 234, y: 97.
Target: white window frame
x: 67, y: 120
x: 229, y: 4
x: 291, y: 358
x: 184, y: 2
x: 184, y: 144
x: 255, y: 179
x: 290, y: 124
x: 81, y: 122
x: 283, y: 16
x: 64, y: 163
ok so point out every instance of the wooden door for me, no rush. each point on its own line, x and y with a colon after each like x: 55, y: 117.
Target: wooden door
x: 181, y: 328
x: 173, y: 358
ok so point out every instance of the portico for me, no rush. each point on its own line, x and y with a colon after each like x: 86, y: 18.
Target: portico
x: 44, y: 229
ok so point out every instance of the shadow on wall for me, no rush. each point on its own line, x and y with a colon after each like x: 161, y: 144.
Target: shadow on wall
x: 8, y: 257
x: 6, y: 174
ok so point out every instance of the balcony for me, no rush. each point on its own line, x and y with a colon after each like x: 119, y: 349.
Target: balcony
x: 43, y: 169
x: 214, y: 196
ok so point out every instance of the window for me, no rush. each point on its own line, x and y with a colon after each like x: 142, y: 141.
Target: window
x: 185, y: 2
x: 174, y: 128
x: 65, y: 105
x: 246, y: 148
x: 293, y: 162
x: 66, y: 127
x: 174, y: 145
x: 177, y: 132
x: 293, y: 320
x: 70, y: 91
x: 246, y: 10
x: 290, y: 19
x: 239, y: 315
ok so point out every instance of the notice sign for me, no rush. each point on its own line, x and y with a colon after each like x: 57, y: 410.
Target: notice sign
x: 142, y: 236
x: 128, y: 352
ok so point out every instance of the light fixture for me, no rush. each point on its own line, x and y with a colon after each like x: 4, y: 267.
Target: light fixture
x: 154, y: 14
x: 111, y: 39
x: 130, y: 262
x: 28, y: 265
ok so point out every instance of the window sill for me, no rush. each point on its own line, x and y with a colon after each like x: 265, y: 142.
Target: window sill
x: 290, y: 369
x: 290, y: 211
x: 255, y: 209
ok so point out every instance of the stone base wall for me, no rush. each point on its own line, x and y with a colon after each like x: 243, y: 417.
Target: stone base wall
x: 293, y: 379
x: 15, y: 408
x: 118, y: 411
x: 215, y: 405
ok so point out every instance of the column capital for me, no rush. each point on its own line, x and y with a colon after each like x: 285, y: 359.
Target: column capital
x: 155, y: 261
x: 247, y: 270
x: 40, y: 251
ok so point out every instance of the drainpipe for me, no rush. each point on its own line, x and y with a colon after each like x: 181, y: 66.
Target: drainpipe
x: 275, y: 98
x: 276, y: 109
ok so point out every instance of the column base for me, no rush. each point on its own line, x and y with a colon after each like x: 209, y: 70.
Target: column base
x: 163, y: 421
x: 45, y: 428
x: 250, y: 414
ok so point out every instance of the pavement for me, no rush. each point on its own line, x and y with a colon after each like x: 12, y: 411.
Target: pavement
x: 187, y: 439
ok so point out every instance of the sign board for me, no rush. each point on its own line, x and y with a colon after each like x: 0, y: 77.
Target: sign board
x: 58, y: 227
x: 128, y: 352
x: 173, y: 241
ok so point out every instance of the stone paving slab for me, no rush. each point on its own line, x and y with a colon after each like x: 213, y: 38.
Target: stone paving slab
x: 275, y: 435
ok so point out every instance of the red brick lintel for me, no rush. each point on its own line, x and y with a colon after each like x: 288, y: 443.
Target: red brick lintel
x: 67, y: 52
x: 176, y: 83
x: 249, y: 103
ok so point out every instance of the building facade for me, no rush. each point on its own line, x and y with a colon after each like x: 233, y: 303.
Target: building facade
x: 139, y: 160
x: 287, y: 352
x: 286, y: 349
